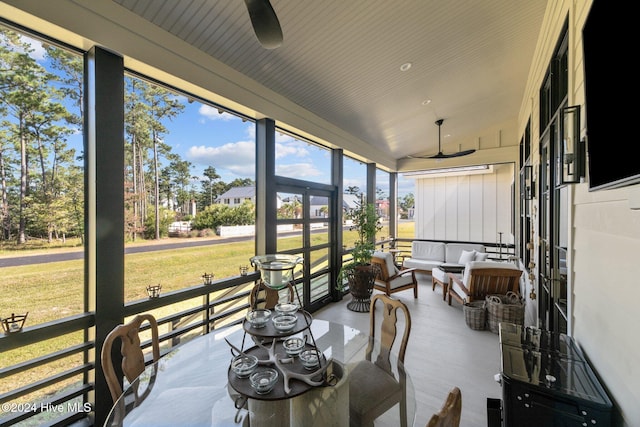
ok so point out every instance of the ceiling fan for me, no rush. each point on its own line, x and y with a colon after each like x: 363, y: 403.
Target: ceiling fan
x: 440, y: 154
x: 265, y: 23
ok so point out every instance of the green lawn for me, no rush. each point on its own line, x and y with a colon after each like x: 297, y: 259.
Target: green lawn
x: 55, y: 290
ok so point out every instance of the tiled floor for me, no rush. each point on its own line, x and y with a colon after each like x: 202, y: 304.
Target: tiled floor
x: 442, y: 352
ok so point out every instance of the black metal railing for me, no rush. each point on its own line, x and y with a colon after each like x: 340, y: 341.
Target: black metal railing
x: 224, y: 303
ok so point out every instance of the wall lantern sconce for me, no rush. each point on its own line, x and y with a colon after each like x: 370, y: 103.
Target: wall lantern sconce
x: 570, y: 150
x: 154, y: 290
x: 14, y: 323
x: 207, y: 278
x: 528, y: 184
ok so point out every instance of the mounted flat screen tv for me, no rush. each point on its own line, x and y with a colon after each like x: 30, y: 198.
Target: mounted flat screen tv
x: 611, y: 130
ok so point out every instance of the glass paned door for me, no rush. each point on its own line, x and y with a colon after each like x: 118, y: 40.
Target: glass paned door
x: 305, y: 223
x: 553, y: 307
x: 545, y: 301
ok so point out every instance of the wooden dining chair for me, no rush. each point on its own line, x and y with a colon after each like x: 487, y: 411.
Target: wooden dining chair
x: 449, y: 414
x: 373, y: 387
x: 262, y: 296
x: 389, y: 278
x: 133, y: 361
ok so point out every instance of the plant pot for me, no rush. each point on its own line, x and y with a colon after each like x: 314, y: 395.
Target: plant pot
x: 361, y: 280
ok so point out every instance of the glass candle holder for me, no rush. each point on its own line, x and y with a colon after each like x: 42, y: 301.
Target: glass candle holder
x: 154, y: 290
x: 14, y: 323
x: 276, y: 270
x: 207, y: 278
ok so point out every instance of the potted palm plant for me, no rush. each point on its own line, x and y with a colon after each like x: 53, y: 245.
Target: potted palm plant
x: 359, y: 272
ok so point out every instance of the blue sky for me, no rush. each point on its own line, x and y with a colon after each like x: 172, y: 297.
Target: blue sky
x: 204, y: 137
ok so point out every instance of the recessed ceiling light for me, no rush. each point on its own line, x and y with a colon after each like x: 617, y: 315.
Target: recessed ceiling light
x: 405, y: 66
x: 426, y: 102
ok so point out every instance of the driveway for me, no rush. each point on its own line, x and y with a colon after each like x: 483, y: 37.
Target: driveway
x: 79, y: 254
x: 159, y: 246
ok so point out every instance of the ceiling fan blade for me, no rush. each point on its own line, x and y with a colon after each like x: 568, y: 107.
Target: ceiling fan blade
x: 440, y: 154
x: 460, y: 153
x: 265, y: 23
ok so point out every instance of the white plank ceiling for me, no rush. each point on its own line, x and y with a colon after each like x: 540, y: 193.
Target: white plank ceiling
x: 341, y: 59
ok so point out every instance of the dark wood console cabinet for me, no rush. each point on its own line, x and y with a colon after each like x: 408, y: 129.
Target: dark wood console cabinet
x: 546, y: 381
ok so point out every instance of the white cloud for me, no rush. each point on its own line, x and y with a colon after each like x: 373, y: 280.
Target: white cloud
x: 298, y: 170
x: 212, y: 113
x: 361, y: 183
x: 283, y: 137
x: 237, y: 157
x: 38, y: 52
x: 285, y: 144
x: 406, y: 186
x: 283, y: 150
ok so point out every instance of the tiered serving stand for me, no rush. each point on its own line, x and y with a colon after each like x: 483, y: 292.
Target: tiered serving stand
x: 293, y: 378
x: 270, y: 351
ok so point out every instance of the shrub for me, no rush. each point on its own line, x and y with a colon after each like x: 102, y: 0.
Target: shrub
x: 216, y: 215
x: 207, y: 232
x: 166, y: 218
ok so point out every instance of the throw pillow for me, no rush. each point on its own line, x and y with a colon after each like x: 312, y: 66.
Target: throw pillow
x: 466, y: 256
x: 481, y: 256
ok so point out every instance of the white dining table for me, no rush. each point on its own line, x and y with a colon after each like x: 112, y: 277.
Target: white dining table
x: 190, y: 386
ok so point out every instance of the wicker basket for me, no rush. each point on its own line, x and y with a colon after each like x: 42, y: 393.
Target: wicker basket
x: 475, y: 315
x: 504, y: 308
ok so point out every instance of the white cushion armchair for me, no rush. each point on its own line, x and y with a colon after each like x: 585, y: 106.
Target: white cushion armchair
x: 482, y: 278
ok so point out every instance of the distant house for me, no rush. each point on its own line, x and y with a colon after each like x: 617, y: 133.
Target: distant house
x: 350, y: 202
x: 237, y: 195
x: 319, y: 206
x: 382, y: 208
